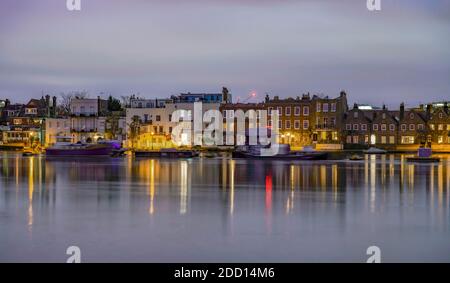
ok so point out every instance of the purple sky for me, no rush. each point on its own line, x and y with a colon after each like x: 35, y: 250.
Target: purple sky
x: 283, y: 47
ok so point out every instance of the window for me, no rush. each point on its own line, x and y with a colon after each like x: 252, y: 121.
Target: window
x: 305, y: 110
x: 145, y: 118
x: 432, y: 127
x: 349, y: 139
x: 403, y: 127
x: 355, y: 127
x: 348, y: 127
x: 383, y: 139
x: 270, y: 111
x: 411, y: 116
x: 407, y: 140
x: 49, y: 124
x: 288, y: 111
x: 288, y: 124
x: 333, y: 107
x: 391, y: 139
x: 297, y: 111
x: 355, y: 114
x: 355, y: 139
x: 383, y: 116
x: 305, y: 124
x: 411, y: 127
x: 391, y: 127
x: 448, y: 127
x: 296, y: 124
x: 440, y: 138
x: 318, y: 107
x: 325, y: 107
x: 269, y: 123
x: 383, y: 127
x: 366, y: 139
x: 280, y: 110
x: 375, y: 127
x: 440, y: 127
x: 333, y: 121
x: 441, y: 115
x: 420, y: 127
x: 280, y: 124
x: 158, y: 118
x: 364, y: 127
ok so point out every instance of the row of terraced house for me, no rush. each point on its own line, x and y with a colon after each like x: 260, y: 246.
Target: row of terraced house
x: 325, y: 122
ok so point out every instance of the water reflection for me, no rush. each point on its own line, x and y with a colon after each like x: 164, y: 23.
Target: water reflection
x: 231, y: 192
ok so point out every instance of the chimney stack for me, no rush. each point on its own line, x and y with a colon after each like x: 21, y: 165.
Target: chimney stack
x: 428, y: 111
x: 446, y: 107
x: 402, y: 111
x: 54, y: 106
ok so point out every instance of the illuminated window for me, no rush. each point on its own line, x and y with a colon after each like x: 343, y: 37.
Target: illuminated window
x: 407, y: 140
x: 391, y: 139
x: 383, y: 139
x: 432, y: 127
x: 440, y: 127
x: 440, y: 139
x: 355, y: 139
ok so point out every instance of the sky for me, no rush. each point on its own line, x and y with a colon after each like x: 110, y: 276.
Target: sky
x: 157, y: 48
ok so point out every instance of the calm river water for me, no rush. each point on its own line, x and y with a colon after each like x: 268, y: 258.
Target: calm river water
x: 223, y: 210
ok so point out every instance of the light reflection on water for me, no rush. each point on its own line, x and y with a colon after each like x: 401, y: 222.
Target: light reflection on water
x: 223, y: 209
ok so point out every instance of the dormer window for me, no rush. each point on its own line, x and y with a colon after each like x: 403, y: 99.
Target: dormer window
x: 411, y: 116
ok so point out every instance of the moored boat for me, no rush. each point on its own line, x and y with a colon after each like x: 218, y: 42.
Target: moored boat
x: 284, y: 153
x: 374, y: 150
x: 423, y: 156
x: 64, y: 147
x: 166, y: 153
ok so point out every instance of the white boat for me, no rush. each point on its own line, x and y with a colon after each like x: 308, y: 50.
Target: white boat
x: 374, y: 150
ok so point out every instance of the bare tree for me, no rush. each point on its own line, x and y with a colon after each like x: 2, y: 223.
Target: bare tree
x: 66, y: 98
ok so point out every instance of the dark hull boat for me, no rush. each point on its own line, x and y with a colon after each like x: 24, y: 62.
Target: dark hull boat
x: 167, y: 154
x: 80, y: 150
x: 284, y: 153
x: 64, y: 147
x: 290, y: 156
